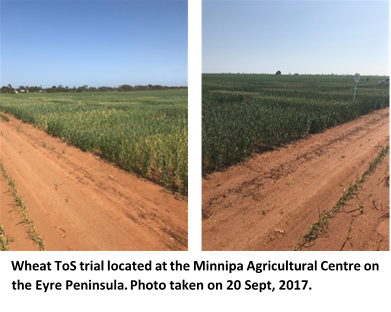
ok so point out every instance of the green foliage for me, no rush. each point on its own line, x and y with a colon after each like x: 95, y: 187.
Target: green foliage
x: 142, y: 132
x: 242, y: 114
x: 5, y: 118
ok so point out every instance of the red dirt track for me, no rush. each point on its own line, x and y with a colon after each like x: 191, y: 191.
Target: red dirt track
x: 79, y: 202
x: 269, y: 201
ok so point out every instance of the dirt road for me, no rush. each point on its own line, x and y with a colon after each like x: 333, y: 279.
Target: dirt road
x: 269, y: 201
x: 363, y: 223
x: 79, y: 202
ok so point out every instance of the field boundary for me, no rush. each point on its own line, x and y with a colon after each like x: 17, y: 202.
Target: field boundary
x: 144, y: 134
x: 4, y: 117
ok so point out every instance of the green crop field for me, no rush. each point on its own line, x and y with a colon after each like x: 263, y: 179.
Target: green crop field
x: 143, y: 132
x: 243, y: 114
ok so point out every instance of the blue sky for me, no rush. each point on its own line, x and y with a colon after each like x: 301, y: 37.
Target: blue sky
x: 312, y: 37
x: 94, y: 43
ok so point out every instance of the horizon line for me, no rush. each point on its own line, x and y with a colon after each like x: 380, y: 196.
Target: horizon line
x: 289, y: 74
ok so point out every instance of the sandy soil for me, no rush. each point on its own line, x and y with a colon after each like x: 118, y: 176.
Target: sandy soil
x: 269, y: 201
x: 11, y: 220
x: 80, y: 202
x: 362, y: 224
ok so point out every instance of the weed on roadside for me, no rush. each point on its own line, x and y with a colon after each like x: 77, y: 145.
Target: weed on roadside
x: 3, y: 240
x: 316, y: 228
x: 57, y: 185
x: 32, y: 234
x: 377, y: 248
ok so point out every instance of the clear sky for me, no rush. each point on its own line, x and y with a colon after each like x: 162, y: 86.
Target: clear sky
x: 312, y: 37
x: 94, y: 43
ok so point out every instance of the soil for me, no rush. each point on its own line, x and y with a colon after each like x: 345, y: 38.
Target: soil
x: 269, y: 201
x: 362, y: 224
x: 79, y: 201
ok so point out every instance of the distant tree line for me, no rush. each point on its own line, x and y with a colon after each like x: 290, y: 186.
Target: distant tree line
x: 85, y: 88
x: 280, y: 73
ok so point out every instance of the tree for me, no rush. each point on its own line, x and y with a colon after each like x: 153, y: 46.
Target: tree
x: 125, y: 87
x: 53, y: 89
x: 139, y: 88
x: 278, y: 72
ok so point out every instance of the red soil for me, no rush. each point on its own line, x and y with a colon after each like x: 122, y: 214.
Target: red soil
x: 268, y: 202
x: 80, y: 202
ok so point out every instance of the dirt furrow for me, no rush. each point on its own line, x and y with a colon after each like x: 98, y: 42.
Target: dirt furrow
x: 267, y: 202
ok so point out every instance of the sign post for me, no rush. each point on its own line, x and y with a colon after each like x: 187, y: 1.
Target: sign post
x: 356, y: 80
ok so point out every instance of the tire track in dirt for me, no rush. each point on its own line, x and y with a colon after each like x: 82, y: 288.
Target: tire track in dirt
x: 268, y: 202
x: 364, y: 222
x: 80, y: 202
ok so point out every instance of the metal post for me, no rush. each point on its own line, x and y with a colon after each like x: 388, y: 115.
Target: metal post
x: 356, y: 80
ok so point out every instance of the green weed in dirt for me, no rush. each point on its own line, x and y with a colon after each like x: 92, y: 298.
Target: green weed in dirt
x: 4, y: 117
